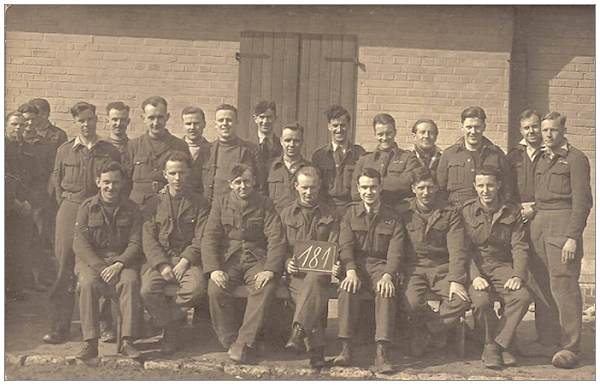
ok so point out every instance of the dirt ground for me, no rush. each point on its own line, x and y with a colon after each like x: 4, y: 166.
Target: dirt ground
x: 26, y: 322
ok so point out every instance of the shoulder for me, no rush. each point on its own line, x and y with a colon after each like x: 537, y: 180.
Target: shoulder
x: 85, y: 205
x: 468, y: 205
x: 130, y: 205
x: 358, y: 149
x: 249, y: 145
x: 577, y: 154
x: 66, y: 146
x: 319, y: 152
x: 198, y: 199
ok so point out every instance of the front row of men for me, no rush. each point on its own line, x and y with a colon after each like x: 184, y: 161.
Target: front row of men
x: 244, y: 241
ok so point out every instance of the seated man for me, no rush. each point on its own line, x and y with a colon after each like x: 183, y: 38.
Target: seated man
x: 171, y: 240
x: 108, y: 252
x: 243, y: 244
x: 436, y: 258
x: 371, y: 249
x: 499, y: 266
x: 308, y: 218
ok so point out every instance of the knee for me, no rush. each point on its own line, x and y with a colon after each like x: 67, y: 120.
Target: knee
x: 129, y: 280
x: 523, y: 296
x: 215, y: 291
x: 146, y: 289
x: 197, y: 292
x: 481, y: 300
x: 87, y: 283
x: 413, y: 303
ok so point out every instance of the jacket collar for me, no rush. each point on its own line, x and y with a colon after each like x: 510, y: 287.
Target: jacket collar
x: 487, y: 144
x: 394, y: 151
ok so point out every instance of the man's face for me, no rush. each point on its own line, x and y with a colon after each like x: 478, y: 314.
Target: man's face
x: 338, y: 129
x: 385, y: 135
x: 118, y: 121
x: 226, y: 124
x: 425, y: 192
x: 31, y: 120
x: 369, y: 190
x: 473, y: 129
x: 14, y: 127
x: 487, y: 188
x: 530, y: 130
x: 194, y: 126
x: 176, y: 174
x: 243, y: 185
x: 425, y: 136
x: 155, y: 118
x: 85, y: 122
x: 291, y: 141
x: 552, y: 133
x: 308, y: 189
x: 264, y: 121
x: 110, y: 185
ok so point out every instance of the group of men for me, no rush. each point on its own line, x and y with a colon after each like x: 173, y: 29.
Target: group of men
x: 162, y: 223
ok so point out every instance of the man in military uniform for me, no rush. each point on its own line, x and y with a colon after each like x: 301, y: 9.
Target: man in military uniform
x: 147, y: 153
x: 372, y: 242
x: 563, y: 200
x: 108, y: 253
x: 117, y: 120
x: 227, y: 150
x: 436, y: 258
x: 498, y: 268
x: 459, y: 162
x: 269, y: 147
x: 243, y: 244
x: 393, y: 163
x: 308, y: 218
x: 44, y: 128
x: 171, y: 243
x: 75, y: 170
x: 425, y: 133
x: 194, y: 121
x: 337, y: 159
x: 280, y: 177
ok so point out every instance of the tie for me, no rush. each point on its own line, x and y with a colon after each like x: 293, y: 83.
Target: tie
x: 338, y: 156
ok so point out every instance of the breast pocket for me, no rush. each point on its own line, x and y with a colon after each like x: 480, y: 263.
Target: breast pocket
x: 277, y: 187
x: 188, y: 225
x: 457, y: 174
x: 95, y: 228
x: 396, y: 168
x: 254, y: 229
x: 383, y: 234
x: 72, y: 179
x: 521, y: 177
x: 142, y: 168
x: 348, y: 173
x: 437, y: 233
x: 560, y: 180
x: 123, y: 227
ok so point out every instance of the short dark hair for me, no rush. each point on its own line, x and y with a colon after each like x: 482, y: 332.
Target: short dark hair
x: 263, y: 106
x: 238, y: 169
x: 294, y: 126
x: 384, y: 118
x: 228, y: 107
x: 11, y: 114
x: 420, y: 121
x: 178, y: 156
x: 28, y: 108
x: 336, y: 112
x: 528, y: 114
x: 553, y: 115
x: 308, y: 170
x: 369, y: 173
x: 189, y: 110
x: 488, y: 171
x: 119, y: 106
x: 111, y: 166
x: 41, y: 104
x: 79, y: 107
x: 472, y: 112
x: 421, y: 174
x: 154, y: 101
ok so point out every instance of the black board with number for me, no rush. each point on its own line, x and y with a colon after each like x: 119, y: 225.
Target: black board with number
x: 315, y: 256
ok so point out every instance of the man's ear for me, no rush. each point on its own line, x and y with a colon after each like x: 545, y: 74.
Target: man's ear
x: 98, y: 182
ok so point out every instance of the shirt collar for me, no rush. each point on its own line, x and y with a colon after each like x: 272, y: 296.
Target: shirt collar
x: 79, y: 142
x: 393, y: 151
x: 562, y: 151
x: 344, y: 146
x: 262, y: 137
x: 374, y: 210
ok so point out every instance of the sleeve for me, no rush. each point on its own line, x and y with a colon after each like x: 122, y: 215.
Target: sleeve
x: 155, y: 254
x: 457, y: 249
x: 82, y: 243
x: 442, y: 175
x: 519, y: 247
x: 276, y: 242
x: 582, y: 199
x: 395, y: 253
x: 62, y: 136
x: 473, y: 270
x: 57, y: 176
x: 346, y: 242
x: 193, y: 252
x: 133, y: 251
x: 130, y: 161
x: 400, y: 184
x: 211, y: 239
x: 508, y: 177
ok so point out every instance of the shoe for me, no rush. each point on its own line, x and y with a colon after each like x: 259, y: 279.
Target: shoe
x: 419, y: 341
x: 241, y: 353
x: 296, y: 340
x: 171, y: 342
x: 509, y: 359
x: 128, y: 350
x: 317, y: 358
x: 89, y: 351
x: 55, y: 338
x: 491, y: 356
x: 108, y: 336
x: 565, y: 359
x: 345, y: 356
x: 536, y: 349
x: 382, y: 363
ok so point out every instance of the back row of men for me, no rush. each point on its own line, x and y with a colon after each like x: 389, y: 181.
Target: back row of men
x: 546, y: 176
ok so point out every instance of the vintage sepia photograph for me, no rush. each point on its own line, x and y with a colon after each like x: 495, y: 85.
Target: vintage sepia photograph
x: 299, y: 192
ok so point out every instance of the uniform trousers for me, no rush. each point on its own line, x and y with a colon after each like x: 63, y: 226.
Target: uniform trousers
x: 369, y: 272
x: 92, y: 287
x: 559, y: 323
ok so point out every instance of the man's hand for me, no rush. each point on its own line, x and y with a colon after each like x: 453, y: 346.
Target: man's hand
x: 568, y: 250
x: 262, y: 278
x: 112, y: 272
x: 513, y: 283
x: 480, y: 283
x: 351, y: 283
x: 527, y: 212
x: 459, y: 290
x: 337, y: 268
x: 220, y: 278
x: 167, y: 272
x: 385, y: 286
x: 180, y: 268
x: 291, y: 267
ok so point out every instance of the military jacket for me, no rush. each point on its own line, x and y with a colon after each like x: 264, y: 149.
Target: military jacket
x: 280, y: 182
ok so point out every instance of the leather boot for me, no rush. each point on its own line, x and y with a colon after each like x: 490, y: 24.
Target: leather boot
x: 89, y: 350
x: 296, y: 340
x: 382, y: 363
x: 317, y: 357
x: 491, y: 356
x: 171, y: 342
x: 128, y: 350
x: 345, y: 356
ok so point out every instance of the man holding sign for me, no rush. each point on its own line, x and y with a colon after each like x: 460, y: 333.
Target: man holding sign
x: 305, y: 220
x: 372, y: 240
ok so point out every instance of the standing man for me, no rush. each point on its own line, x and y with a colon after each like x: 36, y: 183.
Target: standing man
x: 425, y: 133
x: 194, y: 122
x: 44, y: 128
x: 108, y: 252
x: 227, y: 150
x: 498, y: 268
x: 117, y: 120
x: 147, y: 153
x: 243, y: 244
x: 459, y: 162
x: 265, y: 115
x: 171, y: 243
x: 563, y: 200
x: 280, y: 176
x: 337, y: 159
x: 75, y: 169
x: 372, y: 242
x: 393, y: 163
